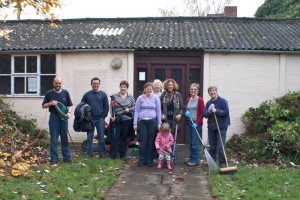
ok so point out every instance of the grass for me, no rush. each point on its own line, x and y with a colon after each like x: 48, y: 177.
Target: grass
x: 269, y: 182
x: 85, y: 178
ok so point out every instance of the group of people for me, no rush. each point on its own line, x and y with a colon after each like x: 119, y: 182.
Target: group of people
x: 155, y: 116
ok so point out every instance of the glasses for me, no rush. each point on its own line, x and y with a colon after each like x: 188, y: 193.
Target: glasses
x: 193, y: 89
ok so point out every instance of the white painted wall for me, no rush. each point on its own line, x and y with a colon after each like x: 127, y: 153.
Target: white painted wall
x: 77, y: 70
x: 245, y: 80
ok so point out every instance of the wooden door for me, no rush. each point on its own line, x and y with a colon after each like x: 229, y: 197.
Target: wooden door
x: 184, y: 69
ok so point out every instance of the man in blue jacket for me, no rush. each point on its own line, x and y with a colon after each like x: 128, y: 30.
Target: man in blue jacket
x: 98, y: 101
x: 217, y: 106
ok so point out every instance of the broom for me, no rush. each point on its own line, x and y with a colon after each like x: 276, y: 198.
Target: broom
x: 227, y: 169
x: 212, y: 165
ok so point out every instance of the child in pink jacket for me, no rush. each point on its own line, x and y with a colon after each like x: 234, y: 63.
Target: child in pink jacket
x: 163, y: 142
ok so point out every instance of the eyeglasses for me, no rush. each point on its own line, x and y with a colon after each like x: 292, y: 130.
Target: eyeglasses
x: 193, y: 89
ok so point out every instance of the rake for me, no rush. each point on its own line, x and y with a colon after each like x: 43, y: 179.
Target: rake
x: 212, y: 165
x: 227, y: 169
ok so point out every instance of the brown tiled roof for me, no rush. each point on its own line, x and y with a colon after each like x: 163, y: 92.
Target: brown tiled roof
x: 172, y: 33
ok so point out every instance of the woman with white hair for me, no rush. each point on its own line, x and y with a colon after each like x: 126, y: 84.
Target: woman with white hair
x: 157, y: 85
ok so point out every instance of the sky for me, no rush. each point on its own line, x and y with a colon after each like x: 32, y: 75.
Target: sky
x: 127, y: 8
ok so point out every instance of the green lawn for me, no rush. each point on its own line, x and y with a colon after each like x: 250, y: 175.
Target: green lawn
x: 85, y: 178
x: 269, y: 182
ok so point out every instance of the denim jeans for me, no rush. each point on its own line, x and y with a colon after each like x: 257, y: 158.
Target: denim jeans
x: 119, y: 139
x: 147, y: 131
x: 215, y: 144
x: 194, y: 142
x: 100, y: 126
x: 58, y: 128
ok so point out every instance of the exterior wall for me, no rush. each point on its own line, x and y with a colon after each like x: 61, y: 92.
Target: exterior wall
x: 76, y: 70
x: 292, y: 73
x: 246, y: 80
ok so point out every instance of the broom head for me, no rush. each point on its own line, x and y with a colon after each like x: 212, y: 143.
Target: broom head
x: 228, y: 170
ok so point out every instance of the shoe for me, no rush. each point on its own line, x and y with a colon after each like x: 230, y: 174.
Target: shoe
x: 186, y: 162
x: 53, y: 163
x: 68, y: 161
x: 149, y: 165
x: 223, y: 165
x: 140, y: 164
x: 169, y: 165
x: 101, y: 156
x: 124, y: 158
x: 191, y: 164
x: 89, y: 155
x: 159, y: 163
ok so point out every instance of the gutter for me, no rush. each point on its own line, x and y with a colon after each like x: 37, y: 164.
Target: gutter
x: 66, y: 51
x: 251, y: 51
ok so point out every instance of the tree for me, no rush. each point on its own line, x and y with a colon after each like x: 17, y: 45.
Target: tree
x: 43, y: 7
x: 279, y: 9
x: 197, y: 8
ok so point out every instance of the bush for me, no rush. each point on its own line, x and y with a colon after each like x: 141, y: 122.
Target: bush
x: 11, y: 124
x: 272, y: 131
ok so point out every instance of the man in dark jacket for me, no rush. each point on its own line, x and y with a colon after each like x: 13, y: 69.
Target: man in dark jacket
x: 98, y: 101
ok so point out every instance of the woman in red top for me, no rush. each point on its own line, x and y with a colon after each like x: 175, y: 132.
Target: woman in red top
x: 195, y: 107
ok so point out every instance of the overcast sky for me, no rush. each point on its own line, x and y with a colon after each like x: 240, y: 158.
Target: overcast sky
x: 128, y: 8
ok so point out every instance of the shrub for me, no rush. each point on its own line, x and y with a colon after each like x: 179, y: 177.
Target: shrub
x: 11, y: 124
x: 272, y: 131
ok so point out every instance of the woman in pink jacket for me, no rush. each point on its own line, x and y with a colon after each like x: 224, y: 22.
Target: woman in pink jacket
x: 163, y: 142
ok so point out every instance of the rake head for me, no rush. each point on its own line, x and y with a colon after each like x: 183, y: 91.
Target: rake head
x: 212, y: 165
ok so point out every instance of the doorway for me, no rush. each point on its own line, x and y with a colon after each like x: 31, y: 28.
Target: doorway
x: 184, y: 68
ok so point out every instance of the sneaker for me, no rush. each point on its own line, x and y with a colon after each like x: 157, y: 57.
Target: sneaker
x: 124, y: 158
x: 223, y: 165
x: 68, y: 161
x: 149, y: 165
x: 101, y: 156
x: 191, y: 164
x: 53, y: 163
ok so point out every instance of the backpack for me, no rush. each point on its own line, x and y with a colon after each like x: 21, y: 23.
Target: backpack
x: 83, y: 118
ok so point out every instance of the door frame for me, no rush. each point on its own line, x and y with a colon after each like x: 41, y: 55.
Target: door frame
x: 143, y: 62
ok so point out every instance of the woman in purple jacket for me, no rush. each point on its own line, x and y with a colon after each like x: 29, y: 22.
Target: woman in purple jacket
x: 147, y: 120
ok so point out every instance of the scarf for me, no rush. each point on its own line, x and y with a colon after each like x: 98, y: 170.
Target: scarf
x: 171, y: 96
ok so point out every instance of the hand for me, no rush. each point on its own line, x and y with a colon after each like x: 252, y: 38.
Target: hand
x: 194, y: 125
x: 211, y: 107
x: 214, y: 110
x: 187, y: 114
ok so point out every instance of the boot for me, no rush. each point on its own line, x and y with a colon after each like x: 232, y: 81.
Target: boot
x: 169, y: 165
x: 159, y: 162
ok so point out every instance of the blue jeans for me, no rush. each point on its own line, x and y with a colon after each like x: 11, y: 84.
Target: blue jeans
x: 147, y: 131
x: 100, y: 126
x: 215, y: 144
x: 119, y: 139
x: 58, y: 127
x: 194, y: 142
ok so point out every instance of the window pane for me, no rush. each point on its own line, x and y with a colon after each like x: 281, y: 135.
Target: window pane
x: 19, y: 64
x: 194, y: 76
x: 5, y: 84
x: 46, y: 83
x: 31, y: 85
x: 19, y: 85
x: 141, y: 83
x: 5, y: 65
x: 48, y: 63
x: 160, y: 74
x: 31, y: 66
x: 177, y: 76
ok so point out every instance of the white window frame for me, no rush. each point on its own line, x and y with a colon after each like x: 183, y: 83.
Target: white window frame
x: 25, y: 75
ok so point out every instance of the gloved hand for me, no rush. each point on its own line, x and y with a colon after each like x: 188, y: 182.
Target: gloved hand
x: 194, y: 125
x: 211, y: 107
x: 187, y: 114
